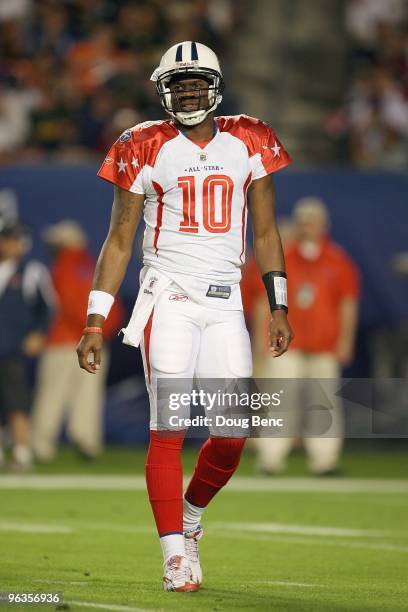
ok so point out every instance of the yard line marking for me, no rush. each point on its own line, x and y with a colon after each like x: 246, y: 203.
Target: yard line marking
x: 72, y: 481
x: 315, y: 530
x: 320, y: 542
x: 114, y: 527
x: 51, y: 527
x: 318, y: 485
x: 117, y: 608
x: 72, y: 582
x: 287, y: 583
x: 33, y: 527
x: 219, y: 527
x: 251, y: 484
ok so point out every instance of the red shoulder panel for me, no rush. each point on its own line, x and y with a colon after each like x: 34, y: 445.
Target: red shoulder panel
x: 135, y: 148
x: 258, y: 138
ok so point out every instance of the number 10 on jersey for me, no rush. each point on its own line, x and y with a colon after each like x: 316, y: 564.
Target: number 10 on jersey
x: 217, y: 203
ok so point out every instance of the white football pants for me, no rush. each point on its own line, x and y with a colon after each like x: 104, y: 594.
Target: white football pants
x: 184, y: 339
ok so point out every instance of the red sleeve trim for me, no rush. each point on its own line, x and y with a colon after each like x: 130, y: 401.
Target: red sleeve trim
x: 134, y: 149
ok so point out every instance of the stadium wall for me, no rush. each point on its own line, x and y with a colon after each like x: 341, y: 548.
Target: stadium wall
x: 369, y: 213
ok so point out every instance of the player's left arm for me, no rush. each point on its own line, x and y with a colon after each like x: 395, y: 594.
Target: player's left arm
x: 269, y: 254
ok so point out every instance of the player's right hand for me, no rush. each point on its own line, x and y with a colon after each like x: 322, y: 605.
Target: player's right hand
x: 89, y: 351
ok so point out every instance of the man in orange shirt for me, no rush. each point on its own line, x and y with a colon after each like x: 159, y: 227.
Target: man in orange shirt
x: 62, y: 389
x: 323, y: 293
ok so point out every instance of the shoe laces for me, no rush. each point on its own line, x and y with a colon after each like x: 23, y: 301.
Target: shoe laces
x: 191, y: 539
x: 177, y: 571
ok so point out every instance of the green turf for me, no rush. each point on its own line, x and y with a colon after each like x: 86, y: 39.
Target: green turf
x: 111, y: 555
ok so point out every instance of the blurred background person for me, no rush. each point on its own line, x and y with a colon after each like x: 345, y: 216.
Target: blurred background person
x: 70, y: 66
x: 63, y: 391
x: 26, y: 302
x: 323, y: 294
x: 372, y: 126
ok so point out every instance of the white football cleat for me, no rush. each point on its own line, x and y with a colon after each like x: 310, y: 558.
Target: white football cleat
x: 191, y: 539
x: 177, y: 575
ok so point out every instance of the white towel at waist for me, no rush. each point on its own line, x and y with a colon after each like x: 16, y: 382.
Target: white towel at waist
x: 153, y: 284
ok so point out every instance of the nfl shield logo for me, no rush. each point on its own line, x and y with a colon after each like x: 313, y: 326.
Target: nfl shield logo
x: 202, y: 157
x: 125, y: 136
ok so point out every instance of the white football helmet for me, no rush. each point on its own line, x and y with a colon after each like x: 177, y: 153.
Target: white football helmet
x: 197, y: 60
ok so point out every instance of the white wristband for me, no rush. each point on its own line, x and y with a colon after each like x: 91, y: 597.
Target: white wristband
x: 100, y: 302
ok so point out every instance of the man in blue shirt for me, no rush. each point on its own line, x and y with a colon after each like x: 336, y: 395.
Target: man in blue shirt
x: 26, y: 299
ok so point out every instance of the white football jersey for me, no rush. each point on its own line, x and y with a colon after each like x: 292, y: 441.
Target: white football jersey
x: 195, y: 208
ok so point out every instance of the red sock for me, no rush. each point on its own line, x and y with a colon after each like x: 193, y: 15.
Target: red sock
x: 164, y: 478
x: 217, y: 461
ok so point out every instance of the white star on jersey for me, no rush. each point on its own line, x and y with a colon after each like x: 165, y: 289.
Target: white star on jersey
x: 122, y: 165
x: 276, y: 149
x: 135, y: 162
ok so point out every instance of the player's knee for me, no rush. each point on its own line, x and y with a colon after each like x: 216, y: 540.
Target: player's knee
x: 226, y: 451
x: 167, y: 438
x: 165, y: 441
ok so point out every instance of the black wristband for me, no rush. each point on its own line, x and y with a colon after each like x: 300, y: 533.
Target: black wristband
x: 277, y: 296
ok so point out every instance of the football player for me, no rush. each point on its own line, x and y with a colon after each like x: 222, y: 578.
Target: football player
x: 188, y: 176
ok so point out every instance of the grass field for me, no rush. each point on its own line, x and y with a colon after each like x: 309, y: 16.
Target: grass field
x: 283, y: 544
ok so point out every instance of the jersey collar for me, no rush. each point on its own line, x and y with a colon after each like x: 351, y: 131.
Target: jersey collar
x: 203, y: 143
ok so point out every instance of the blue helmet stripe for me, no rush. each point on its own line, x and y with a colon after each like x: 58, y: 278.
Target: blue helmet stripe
x: 179, y: 53
x: 194, y: 54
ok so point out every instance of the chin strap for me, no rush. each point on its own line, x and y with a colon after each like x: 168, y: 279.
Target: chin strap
x: 190, y: 118
x: 195, y: 117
